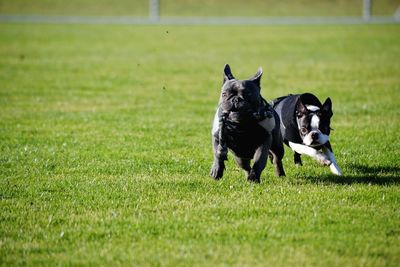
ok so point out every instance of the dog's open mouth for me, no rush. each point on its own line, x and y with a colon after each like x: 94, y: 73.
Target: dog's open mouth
x: 315, y: 143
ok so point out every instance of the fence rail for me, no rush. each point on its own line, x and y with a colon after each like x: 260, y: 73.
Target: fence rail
x: 155, y: 17
x: 196, y: 20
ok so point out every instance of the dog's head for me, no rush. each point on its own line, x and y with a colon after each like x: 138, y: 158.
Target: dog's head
x: 314, y: 119
x: 240, y: 98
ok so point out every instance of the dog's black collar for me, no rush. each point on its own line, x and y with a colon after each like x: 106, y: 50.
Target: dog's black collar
x: 265, y: 111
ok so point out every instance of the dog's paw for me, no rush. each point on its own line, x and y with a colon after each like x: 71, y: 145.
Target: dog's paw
x: 253, y: 178
x: 323, y: 159
x: 335, y: 169
x: 217, y: 170
x: 326, y: 162
x: 297, y: 160
x: 298, y: 164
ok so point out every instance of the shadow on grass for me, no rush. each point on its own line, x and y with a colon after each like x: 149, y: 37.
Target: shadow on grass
x: 375, y: 175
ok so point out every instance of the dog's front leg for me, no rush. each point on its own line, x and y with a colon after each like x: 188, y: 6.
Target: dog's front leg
x: 260, y: 160
x: 297, y: 159
x: 220, y: 155
x: 312, y: 152
x: 220, y: 150
x: 327, y: 149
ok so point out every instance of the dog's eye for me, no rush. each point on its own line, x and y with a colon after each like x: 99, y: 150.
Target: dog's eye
x: 224, y: 94
x: 299, y: 114
x: 303, y: 130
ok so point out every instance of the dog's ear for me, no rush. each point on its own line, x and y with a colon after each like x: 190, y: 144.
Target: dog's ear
x: 227, y: 74
x: 327, y: 107
x: 301, y: 110
x: 257, y: 77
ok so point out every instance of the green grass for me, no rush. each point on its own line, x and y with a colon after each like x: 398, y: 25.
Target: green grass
x: 198, y: 8
x: 105, y: 147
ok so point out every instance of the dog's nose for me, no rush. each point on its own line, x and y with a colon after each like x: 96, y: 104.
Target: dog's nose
x: 238, y: 102
x: 314, y: 136
x: 238, y: 99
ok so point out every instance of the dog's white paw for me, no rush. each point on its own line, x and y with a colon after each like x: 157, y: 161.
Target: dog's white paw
x: 335, y: 169
x: 323, y: 159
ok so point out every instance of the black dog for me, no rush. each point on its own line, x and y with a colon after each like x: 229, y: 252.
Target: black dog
x: 305, y: 127
x: 247, y: 125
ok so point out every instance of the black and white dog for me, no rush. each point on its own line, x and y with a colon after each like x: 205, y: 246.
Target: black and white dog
x: 248, y: 126
x: 305, y: 127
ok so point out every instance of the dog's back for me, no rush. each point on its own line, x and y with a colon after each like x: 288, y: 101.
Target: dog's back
x: 285, y: 107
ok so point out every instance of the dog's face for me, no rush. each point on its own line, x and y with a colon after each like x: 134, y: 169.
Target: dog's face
x: 241, y: 98
x: 314, y: 122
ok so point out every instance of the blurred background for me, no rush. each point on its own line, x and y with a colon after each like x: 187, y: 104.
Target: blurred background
x: 205, y: 8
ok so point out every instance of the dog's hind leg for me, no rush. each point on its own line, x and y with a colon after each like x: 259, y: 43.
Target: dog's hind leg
x: 276, y: 154
x: 277, y: 151
x: 244, y: 164
x: 260, y: 161
x: 277, y: 162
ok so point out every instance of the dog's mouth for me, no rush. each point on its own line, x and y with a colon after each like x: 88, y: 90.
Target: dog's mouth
x: 314, y: 139
x: 315, y: 143
x: 241, y: 116
x: 239, y: 111
x: 243, y: 109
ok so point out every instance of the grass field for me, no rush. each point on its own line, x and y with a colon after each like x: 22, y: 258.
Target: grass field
x: 106, y: 149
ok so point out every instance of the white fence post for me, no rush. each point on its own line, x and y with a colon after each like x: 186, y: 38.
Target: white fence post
x: 154, y: 10
x: 367, y: 9
x: 397, y: 14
